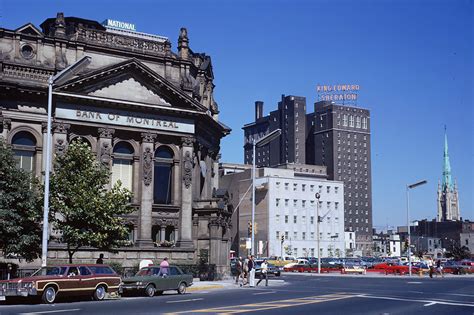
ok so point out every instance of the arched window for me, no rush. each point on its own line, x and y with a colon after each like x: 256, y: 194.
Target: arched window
x: 24, y: 147
x: 163, y: 175
x: 122, y: 165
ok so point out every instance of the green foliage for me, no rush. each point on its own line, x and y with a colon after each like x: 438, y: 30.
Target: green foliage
x: 85, y: 212
x: 20, y: 209
x: 117, y: 266
x: 459, y: 253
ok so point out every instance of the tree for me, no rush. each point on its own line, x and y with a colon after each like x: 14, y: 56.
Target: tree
x: 20, y: 209
x: 459, y: 252
x: 86, y: 213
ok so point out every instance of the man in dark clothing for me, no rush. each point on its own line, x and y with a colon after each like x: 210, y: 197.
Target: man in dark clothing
x: 100, y: 260
x: 238, y: 269
x: 251, y: 265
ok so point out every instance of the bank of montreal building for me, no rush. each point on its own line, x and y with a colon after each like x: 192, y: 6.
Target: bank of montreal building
x: 148, y: 114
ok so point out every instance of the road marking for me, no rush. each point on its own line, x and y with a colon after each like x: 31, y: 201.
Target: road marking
x: 458, y: 294
x: 268, y: 305
x: 415, y: 282
x: 188, y: 300
x: 260, y: 293
x: 55, y: 311
x: 429, y: 304
x: 414, y: 300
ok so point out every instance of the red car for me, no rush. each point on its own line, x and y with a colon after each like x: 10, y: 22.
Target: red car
x: 63, y: 280
x: 394, y: 268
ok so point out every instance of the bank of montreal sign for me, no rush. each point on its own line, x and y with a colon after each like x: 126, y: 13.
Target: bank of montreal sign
x: 124, y: 118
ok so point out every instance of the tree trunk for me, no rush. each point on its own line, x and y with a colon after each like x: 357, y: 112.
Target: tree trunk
x: 70, y: 256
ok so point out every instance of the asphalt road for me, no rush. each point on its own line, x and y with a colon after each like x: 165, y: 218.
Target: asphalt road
x: 301, y: 294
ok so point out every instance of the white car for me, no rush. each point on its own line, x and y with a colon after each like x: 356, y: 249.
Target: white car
x: 297, y: 262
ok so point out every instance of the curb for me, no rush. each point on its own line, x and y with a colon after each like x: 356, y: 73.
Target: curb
x: 205, y: 287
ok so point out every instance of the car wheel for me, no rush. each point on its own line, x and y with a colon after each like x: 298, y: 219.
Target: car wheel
x: 49, y: 295
x: 150, y: 290
x: 182, y: 288
x: 277, y: 274
x: 99, y: 293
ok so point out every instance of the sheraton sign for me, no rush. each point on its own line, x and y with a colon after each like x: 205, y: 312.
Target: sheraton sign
x: 124, y: 118
x: 338, y: 92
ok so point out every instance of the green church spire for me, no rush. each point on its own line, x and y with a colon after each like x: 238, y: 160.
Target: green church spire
x: 447, y: 181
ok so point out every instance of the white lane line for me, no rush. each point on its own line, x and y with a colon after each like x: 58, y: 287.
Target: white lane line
x: 458, y: 294
x: 415, y: 282
x: 429, y: 304
x: 55, y: 311
x: 268, y: 292
x: 413, y: 300
x: 189, y: 300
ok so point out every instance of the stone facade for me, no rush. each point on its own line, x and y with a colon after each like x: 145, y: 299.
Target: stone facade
x: 148, y: 114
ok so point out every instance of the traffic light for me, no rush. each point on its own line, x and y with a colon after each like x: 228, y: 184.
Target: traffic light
x: 256, y: 228
x: 282, y: 238
x: 250, y: 227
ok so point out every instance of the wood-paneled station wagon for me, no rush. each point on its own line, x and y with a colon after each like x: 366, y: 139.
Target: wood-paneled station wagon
x: 153, y: 280
x: 63, y: 280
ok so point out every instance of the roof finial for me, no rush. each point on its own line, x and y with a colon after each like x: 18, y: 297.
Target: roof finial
x: 183, y: 43
x: 447, y: 182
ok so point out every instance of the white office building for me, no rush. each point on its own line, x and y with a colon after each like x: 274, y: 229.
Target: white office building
x: 286, y: 207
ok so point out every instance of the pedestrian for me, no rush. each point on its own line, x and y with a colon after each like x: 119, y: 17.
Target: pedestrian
x: 238, y: 269
x: 430, y: 266
x: 439, y: 268
x: 164, y: 267
x: 100, y: 260
x: 264, y: 274
x: 251, y: 265
x: 245, y: 273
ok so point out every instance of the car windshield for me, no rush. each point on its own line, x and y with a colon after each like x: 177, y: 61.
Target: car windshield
x: 50, y: 271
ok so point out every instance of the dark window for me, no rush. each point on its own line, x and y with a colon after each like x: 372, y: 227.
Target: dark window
x: 84, y: 271
x: 156, y: 271
x: 163, y: 175
x: 73, y: 271
x: 101, y: 270
x: 123, y: 148
x: 24, y: 146
x: 174, y: 271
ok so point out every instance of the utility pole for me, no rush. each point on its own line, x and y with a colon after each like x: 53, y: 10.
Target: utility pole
x: 317, y: 195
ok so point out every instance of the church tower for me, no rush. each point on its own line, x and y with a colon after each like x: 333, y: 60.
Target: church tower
x: 448, y: 200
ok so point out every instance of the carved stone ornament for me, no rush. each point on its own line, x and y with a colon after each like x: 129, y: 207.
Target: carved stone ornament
x: 187, y: 141
x: 6, y: 123
x: 147, y: 166
x: 106, y: 133
x: 148, y: 137
x: 187, y: 170
x: 60, y: 147
x: 60, y: 127
x: 105, y: 154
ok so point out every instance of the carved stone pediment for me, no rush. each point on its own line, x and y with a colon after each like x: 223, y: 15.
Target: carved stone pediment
x: 132, y: 90
x: 131, y: 81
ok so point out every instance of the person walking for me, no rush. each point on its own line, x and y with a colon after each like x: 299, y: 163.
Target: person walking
x: 164, y: 267
x: 238, y: 269
x: 439, y: 268
x: 251, y: 272
x: 264, y: 274
x: 245, y: 273
x: 100, y: 260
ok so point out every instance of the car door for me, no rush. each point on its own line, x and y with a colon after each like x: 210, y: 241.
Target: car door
x: 70, y: 286
x: 158, y: 279
x: 87, y: 281
x: 174, y: 278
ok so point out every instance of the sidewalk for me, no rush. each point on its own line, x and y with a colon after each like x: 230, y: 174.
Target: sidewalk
x: 226, y: 284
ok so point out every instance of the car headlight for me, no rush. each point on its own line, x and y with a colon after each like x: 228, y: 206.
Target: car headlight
x: 139, y: 283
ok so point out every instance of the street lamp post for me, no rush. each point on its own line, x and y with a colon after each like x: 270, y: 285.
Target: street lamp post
x: 59, y: 78
x: 258, y: 143
x: 317, y: 195
x: 408, y: 220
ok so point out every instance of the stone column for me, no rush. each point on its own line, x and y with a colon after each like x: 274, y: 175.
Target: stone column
x: 215, y: 238
x: 147, y: 150
x: 104, y: 151
x: 185, y: 222
x: 162, y: 232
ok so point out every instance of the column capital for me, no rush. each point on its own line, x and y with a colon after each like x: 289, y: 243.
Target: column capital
x: 60, y: 127
x: 148, y: 137
x: 187, y: 141
x: 6, y: 123
x: 106, y: 132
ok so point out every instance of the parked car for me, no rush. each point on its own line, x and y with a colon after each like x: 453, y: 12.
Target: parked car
x: 63, y: 280
x: 354, y: 269
x: 153, y: 280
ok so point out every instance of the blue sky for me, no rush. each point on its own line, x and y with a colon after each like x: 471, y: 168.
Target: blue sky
x: 412, y: 59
